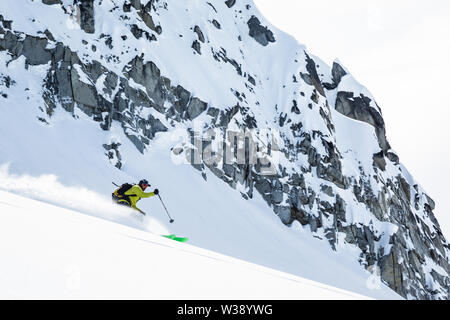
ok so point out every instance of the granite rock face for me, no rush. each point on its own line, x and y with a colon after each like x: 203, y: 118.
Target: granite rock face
x: 258, y: 32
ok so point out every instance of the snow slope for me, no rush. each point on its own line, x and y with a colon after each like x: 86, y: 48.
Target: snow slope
x: 60, y: 253
x: 52, y: 147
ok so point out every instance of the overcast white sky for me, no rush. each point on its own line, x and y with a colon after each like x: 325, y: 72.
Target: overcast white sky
x: 400, y: 51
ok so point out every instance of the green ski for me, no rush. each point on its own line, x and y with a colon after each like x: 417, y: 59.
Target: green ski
x: 174, y: 237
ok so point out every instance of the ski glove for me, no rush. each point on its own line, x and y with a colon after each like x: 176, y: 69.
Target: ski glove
x: 156, y: 191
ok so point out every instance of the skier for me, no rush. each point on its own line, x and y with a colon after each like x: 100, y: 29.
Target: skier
x: 129, y: 195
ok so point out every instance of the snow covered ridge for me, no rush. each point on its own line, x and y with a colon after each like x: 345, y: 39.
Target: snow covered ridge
x: 199, y: 69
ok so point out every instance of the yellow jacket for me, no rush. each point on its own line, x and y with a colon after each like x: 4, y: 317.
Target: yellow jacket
x: 135, y: 193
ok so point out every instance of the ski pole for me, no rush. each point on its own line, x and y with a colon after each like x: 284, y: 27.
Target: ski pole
x: 171, y: 220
